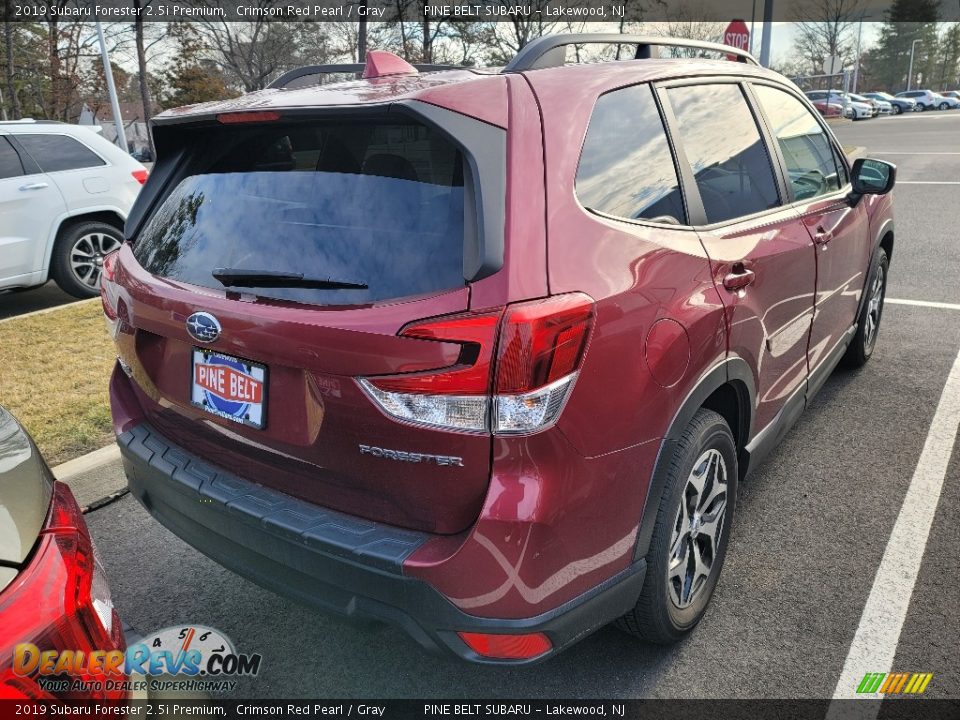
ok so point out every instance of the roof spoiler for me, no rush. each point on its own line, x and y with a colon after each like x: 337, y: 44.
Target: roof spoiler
x: 550, y: 50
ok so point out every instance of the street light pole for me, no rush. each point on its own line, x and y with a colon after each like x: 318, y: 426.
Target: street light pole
x: 114, y: 101
x: 856, y: 65
x: 913, y: 47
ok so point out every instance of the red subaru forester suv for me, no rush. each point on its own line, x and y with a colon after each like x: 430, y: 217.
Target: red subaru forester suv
x: 483, y: 353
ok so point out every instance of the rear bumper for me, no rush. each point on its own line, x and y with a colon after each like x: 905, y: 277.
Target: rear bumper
x: 330, y: 560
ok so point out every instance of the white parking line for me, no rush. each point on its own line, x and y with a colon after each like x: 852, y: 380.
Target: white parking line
x: 898, y: 152
x: 922, y: 303
x: 928, y: 182
x: 874, y: 645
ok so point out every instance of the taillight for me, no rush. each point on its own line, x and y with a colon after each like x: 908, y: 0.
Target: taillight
x: 456, y: 397
x: 507, y: 647
x: 140, y: 176
x: 60, y: 602
x: 540, y: 348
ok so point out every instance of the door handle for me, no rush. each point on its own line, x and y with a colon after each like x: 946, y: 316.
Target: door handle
x: 822, y: 236
x: 739, y: 277
x: 34, y: 186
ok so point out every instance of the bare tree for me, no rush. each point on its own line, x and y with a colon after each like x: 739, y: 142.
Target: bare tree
x: 8, y: 37
x: 143, y: 78
x: 826, y: 28
x: 689, y: 21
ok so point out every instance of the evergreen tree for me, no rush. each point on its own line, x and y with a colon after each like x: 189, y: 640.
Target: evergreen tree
x: 907, y: 20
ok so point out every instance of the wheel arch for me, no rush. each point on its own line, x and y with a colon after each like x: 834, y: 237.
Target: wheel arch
x: 729, y: 390
x: 106, y: 213
x: 885, y: 238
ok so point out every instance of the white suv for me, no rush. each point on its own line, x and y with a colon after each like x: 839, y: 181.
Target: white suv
x: 65, y: 192
x: 925, y: 99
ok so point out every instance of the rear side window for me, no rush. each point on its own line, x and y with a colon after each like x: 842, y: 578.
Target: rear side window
x: 723, y: 146
x: 9, y: 160
x: 59, y: 152
x: 626, y: 169
x: 340, y: 204
x: 811, y: 164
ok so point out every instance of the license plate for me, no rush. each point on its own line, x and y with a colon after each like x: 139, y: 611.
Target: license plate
x: 232, y: 388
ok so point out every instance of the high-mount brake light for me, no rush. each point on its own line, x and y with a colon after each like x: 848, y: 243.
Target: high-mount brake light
x: 141, y: 175
x: 540, y: 348
x: 248, y: 117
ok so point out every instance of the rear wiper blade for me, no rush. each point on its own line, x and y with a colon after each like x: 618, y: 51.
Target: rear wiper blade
x: 239, y: 277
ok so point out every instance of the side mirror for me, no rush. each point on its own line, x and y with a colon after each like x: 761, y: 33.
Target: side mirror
x: 872, y: 177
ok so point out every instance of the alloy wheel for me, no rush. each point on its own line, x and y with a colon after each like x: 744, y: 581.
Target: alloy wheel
x: 697, y: 529
x: 86, y: 256
x: 874, y: 308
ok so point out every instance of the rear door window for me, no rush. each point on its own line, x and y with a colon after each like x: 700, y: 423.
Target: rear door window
x: 626, y: 169
x: 10, y: 165
x: 807, y: 151
x: 723, y: 146
x: 343, y: 205
x: 54, y: 153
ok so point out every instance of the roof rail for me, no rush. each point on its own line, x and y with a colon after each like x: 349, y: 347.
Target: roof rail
x: 550, y: 50
x: 357, y: 69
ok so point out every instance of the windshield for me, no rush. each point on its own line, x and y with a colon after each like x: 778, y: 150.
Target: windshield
x: 365, y: 212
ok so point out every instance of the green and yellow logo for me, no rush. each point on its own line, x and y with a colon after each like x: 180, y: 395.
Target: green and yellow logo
x: 894, y: 683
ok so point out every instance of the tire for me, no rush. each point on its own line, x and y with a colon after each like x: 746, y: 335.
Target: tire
x: 78, y: 256
x: 943, y: 106
x: 896, y: 110
x: 921, y: 107
x: 670, y: 606
x: 868, y: 322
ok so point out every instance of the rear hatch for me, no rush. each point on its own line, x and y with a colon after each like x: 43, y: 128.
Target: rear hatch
x: 277, y: 258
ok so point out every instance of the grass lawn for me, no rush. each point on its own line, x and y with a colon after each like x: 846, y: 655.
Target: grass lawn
x: 54, y: 370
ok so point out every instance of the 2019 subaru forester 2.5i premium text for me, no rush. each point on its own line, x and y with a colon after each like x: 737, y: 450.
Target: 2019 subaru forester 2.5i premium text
x: 485, y: 354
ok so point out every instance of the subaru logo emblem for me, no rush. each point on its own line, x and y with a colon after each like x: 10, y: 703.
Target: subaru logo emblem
x: 203, y: 327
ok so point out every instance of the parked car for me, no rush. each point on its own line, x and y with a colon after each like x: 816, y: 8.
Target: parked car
x: 925, y: 99
x: 828, y: 109
x: 955, y: 94
x: 946, y: 102
x: 881, y: 107
x: 53, y: 592
x: 372, y: 356
x: 65, y: 193
x: 898, y: 105
x: 853, y: 109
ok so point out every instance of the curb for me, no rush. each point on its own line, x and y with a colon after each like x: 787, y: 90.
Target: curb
x: 85, y: 463
x: 48, y: 310
x: 97, y: 479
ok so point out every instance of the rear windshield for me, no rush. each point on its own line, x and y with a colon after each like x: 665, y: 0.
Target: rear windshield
x: 340, y: 204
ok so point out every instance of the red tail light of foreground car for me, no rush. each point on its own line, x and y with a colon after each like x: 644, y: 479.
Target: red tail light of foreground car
x: 540, y: 348
x: 61, y: 602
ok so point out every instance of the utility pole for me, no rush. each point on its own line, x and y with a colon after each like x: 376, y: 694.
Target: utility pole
x: 767, y: 26
x: 114, y: 100
x: 856, y: 62
x: 753, y: 22
x: 913, y: 47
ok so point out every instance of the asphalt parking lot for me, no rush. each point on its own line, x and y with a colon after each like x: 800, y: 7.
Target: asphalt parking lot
x: 812, y: 526
x: 20, y: 302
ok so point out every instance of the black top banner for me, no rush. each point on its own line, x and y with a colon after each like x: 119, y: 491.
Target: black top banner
x: 530, y: 11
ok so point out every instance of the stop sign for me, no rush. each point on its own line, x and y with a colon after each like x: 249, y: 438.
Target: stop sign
x: 737, y: 35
